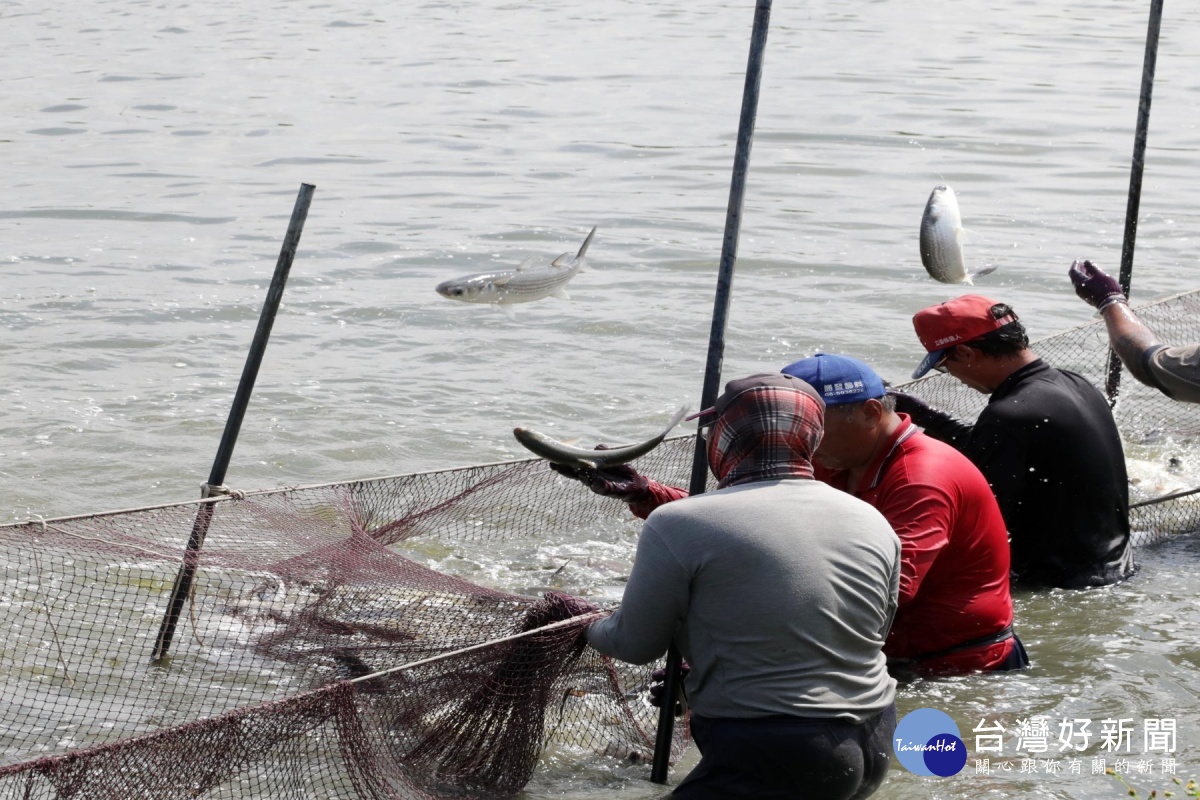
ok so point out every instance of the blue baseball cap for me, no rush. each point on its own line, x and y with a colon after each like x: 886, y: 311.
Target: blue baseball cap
x: 838, y: 379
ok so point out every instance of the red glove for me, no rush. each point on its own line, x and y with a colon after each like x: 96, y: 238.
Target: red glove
x: 622, y: 481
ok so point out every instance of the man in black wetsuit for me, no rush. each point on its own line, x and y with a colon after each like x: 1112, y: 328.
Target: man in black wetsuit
x: 1046, y: 442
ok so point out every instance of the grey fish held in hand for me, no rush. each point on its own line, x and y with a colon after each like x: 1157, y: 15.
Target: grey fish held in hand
x: 521, y: 285
x: 559, y: 453
x: 941, y: 239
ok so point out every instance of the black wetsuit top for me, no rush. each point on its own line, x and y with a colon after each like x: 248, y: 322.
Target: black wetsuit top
x: 1049, y: 448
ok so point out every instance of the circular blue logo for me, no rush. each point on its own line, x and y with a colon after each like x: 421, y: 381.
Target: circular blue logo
x: 927, y: 742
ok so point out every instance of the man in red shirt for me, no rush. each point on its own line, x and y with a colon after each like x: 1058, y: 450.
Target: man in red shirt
x: 955, y: 611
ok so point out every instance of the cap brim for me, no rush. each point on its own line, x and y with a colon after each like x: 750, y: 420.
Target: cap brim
x: 931, y: 358
x: 700, y: 413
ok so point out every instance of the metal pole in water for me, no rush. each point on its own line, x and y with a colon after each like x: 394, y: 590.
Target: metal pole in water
x: 716, y: 345
x: 1113, y: 383
x: 241, y: 400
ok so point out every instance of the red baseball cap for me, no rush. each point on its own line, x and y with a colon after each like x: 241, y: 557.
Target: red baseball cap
x: 955, y: 322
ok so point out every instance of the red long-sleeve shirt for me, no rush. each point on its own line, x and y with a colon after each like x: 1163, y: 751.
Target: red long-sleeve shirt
x: 954, y: 585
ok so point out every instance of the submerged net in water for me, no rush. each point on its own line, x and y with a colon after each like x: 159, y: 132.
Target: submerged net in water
x: 327, y: 650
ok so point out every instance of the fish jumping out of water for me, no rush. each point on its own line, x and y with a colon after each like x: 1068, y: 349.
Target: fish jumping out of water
x: 941, y: 239
x: 559, y: 453
x: 521, y: 285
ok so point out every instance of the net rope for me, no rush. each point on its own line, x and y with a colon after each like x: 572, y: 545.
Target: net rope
x: 357, y: 640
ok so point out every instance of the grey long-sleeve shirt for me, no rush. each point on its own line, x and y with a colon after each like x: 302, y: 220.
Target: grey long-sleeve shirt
x: 779, y: 593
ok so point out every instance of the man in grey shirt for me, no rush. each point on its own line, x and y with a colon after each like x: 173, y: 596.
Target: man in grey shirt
x: 779, y: 591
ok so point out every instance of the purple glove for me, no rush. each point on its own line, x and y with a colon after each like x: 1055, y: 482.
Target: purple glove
x: 659, y: 678
x: 921, y: 412
x: 911, y: 404
x: 1093, y: 286
x: 622, y: 481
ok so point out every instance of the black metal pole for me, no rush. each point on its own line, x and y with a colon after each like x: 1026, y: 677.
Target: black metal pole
x: 1113, y: 383
x: 241, y: 400
x: 716, y: 344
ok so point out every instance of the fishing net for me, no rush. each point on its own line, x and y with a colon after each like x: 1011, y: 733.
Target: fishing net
x: 321, y: 654
x: 359, y: 640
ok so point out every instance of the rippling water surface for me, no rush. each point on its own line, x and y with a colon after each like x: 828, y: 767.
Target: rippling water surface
x: 152, y: 153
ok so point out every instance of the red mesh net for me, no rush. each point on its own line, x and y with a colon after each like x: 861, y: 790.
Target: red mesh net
x: 313, y: 660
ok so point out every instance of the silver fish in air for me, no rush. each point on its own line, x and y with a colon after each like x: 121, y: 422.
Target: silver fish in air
x: 521, y: 285
x: 578, y: 457
x: 941, y: 239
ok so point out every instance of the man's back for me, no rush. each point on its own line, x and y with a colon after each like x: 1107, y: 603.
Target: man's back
x: 1050, y: 449
x: 786, y: 589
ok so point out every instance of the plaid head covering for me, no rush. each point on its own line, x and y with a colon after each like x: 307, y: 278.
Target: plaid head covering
x: 767, y: 427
